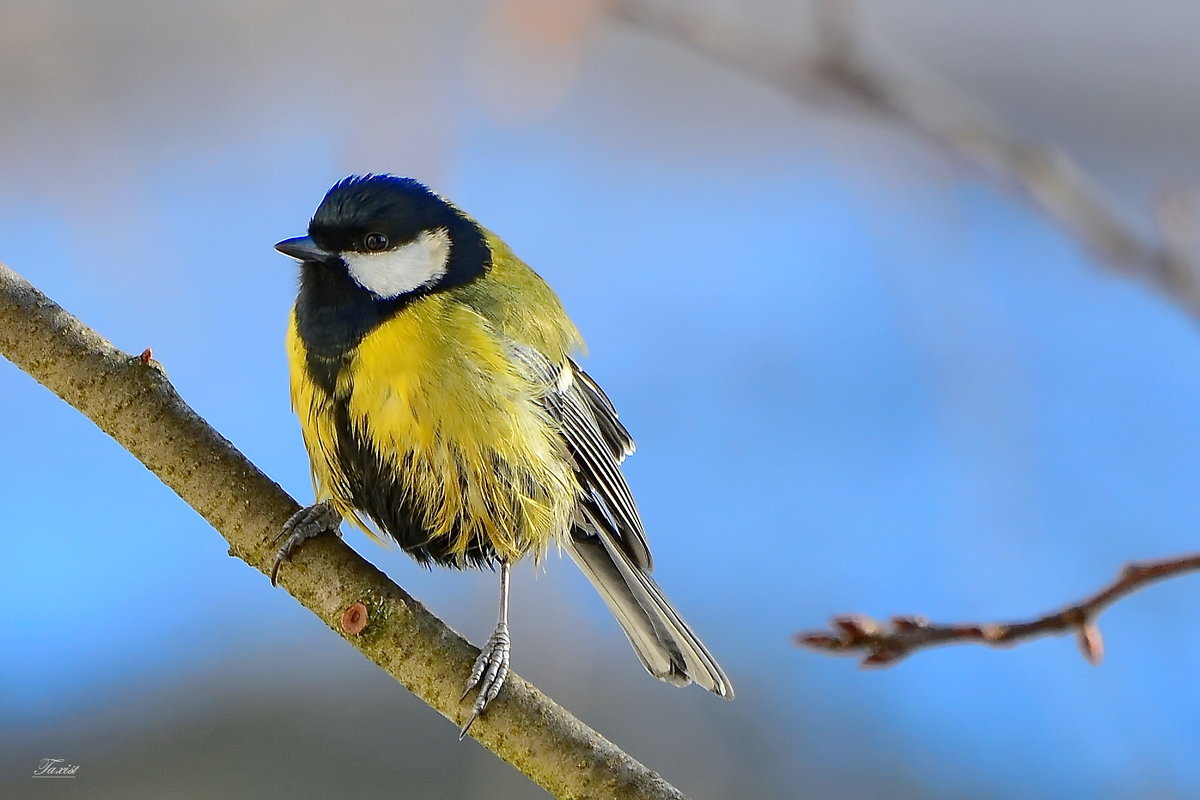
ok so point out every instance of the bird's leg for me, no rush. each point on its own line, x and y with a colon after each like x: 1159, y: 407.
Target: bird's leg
x: 491, y: 668
x: 304, y: 524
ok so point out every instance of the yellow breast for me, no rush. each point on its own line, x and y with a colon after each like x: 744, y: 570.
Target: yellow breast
x: 434, y: 394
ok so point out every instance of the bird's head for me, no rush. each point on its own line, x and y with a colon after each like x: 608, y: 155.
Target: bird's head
x: 393, y: 237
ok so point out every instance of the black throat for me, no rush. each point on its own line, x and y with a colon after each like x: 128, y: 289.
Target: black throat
x: 333, y: 314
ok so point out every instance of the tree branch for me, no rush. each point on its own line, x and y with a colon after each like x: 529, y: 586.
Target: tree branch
x: 130, y: 399
x: 936, y: 109
x: 885, y: 644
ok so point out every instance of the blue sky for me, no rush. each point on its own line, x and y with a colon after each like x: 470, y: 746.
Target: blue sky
x: 860, y: 380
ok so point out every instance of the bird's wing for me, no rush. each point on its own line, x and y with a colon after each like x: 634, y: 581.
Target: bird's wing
x: 608, y: 542
x: 615, y: 435
x: 597, y: 441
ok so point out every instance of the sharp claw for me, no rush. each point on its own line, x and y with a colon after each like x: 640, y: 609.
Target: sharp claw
x: 488, y: 673
x: 304, y: 524
x: 462, y: 732
x: 280, y: 557
x: 477, y: 670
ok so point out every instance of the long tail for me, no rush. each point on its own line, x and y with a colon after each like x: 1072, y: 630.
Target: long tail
x: 663, y: 641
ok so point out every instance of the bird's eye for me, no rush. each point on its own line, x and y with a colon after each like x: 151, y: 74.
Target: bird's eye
x: 375, y: 241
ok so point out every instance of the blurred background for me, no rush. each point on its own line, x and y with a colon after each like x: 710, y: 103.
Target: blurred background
x: 863, y: 376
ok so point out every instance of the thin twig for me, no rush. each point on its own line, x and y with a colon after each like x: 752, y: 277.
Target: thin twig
x: 130, y: 399
x: 886, y: 643
x: 837, y: 67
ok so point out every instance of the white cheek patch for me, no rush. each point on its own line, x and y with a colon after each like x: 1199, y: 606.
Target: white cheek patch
x: 391, y: 273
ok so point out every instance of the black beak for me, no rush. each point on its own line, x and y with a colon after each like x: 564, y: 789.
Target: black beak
x: 302, y: 248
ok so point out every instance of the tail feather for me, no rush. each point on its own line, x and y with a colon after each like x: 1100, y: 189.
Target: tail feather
x: 663, y: 641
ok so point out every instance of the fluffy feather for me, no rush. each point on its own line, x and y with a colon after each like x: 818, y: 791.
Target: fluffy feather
x: 451, y: 417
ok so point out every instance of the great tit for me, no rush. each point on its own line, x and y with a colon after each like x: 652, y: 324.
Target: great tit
x: 432, y: 373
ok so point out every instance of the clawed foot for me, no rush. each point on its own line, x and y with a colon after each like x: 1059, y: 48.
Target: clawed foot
x: 304, y: 524
x: 489, y: 672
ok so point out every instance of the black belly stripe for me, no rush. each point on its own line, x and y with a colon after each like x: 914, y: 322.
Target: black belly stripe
x: 377, y: 489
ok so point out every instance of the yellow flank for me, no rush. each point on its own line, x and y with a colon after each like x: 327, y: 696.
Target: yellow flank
x: 437, y: 395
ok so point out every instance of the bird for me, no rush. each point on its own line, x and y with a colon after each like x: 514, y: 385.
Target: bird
x: 434, y: 376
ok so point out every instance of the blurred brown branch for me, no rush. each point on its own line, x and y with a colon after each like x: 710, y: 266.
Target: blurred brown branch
x: 886, y: 643
x: 130, y: 399
x: 837, y: 67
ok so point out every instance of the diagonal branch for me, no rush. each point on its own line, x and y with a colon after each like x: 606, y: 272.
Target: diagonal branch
x: 130, y: 399
x: 885, y: 644
x: 936, y: 109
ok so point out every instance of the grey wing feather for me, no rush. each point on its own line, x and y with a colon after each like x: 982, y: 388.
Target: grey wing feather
x: 663, y: 641
x: 597, y: 440
x: 608, y: 542
x: 618, y: 438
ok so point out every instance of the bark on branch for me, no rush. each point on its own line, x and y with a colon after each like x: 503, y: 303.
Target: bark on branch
x: 130, y: 399
x: 884, y: 644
